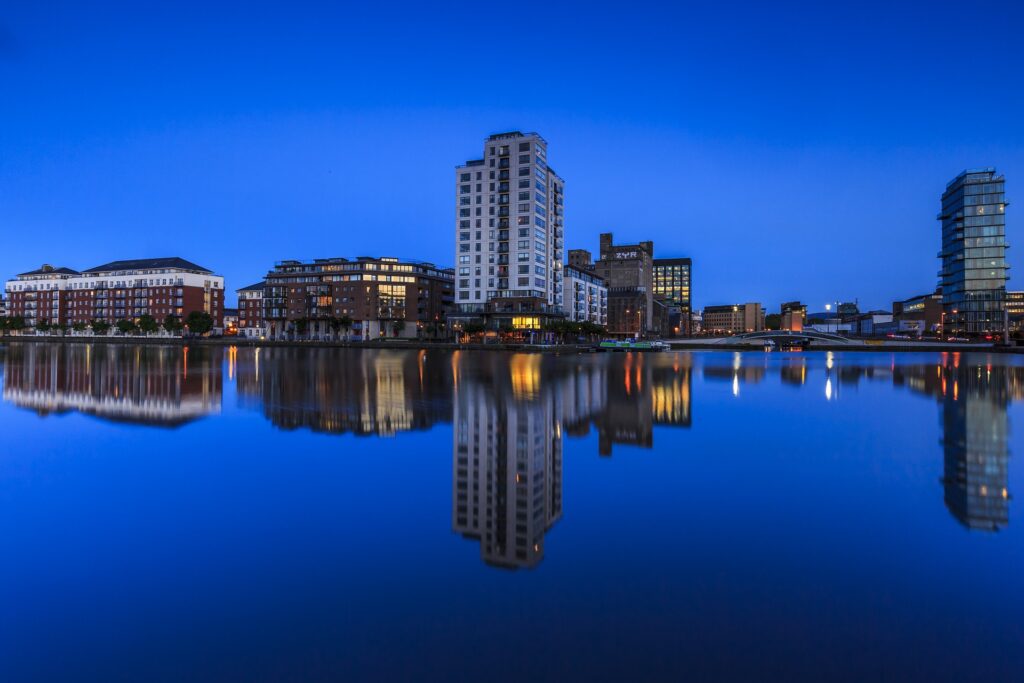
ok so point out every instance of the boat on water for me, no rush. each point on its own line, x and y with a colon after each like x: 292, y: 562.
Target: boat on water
x: 631, y: 345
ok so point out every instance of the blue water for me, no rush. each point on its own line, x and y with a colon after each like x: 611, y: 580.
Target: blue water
x: 279, y: 514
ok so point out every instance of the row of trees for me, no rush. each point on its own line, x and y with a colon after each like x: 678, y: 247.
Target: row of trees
x: 198, y: 323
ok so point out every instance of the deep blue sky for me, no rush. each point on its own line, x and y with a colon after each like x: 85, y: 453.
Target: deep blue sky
x: 793, y: 150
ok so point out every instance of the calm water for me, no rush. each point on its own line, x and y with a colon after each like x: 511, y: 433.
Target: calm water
x: 293, y: 514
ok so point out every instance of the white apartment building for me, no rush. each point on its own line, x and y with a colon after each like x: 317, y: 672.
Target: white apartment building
x: 508, y: 224
x: 586, y: 296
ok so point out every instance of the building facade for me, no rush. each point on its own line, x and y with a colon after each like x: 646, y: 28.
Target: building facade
x: 922, y: 314
x: 120, y: 290
x: 628, y: 270
x: 794, y: 316
x: 509, y: 227
x: 250, y: 310
x: 733, y: 319
x: 973, y: 274
x: 585, y: 296
x: 672, y: 279
x: 382, y: 296
x: 1014, y: 310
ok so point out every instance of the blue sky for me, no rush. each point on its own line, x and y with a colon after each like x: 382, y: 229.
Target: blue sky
x: 793, y: 150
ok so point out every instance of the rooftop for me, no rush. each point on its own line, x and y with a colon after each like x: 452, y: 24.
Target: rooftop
x: 175, y: 262
x: 47, y: 269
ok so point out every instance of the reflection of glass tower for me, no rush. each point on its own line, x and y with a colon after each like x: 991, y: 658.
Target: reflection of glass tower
x: 506, y: 469
x: 976, y: 428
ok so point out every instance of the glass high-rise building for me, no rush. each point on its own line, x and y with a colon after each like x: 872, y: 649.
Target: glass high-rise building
x: 672, y: 283
x: 973, y: 275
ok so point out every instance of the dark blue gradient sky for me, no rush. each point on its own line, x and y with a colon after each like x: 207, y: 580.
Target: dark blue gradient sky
x: 793, y: 150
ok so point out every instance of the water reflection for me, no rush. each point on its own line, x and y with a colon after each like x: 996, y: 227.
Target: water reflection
x: 158, y: 386
x: 511, y: 412
x: 338, y: 391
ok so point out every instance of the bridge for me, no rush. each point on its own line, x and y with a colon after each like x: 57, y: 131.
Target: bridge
x: 785, y: 337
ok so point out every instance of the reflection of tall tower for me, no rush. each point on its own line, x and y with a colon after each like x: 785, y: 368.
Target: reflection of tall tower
x: 506, y: 469
x: 975, y: 428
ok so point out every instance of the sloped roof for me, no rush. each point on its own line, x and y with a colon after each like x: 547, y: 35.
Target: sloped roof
x: 258, y: 286
x: 149, y: 263
x: 47, y: 270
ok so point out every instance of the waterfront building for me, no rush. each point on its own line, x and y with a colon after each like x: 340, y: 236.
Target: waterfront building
x: 382, y: 296
x: 119, y: 290
x: 871, y: 323
x: 628, y: 271
x: 250, y: 310
x: 585, y: 296
x: 973, y: 275
x: 733, y: 319
x: 794, y: 316
x: 919, y: 314
x: 509, y: 208
x: 672, y: 281
x: 1015, y: 310
x: 230, y: 321
x: 3, y: 306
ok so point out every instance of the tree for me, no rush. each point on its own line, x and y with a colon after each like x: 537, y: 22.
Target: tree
x: 773, y: 321
x: 43, y: 325
x: 301, y: 327
x: 63, y: 328
x: 79, y: 327
x: 5, y: 324
x: 199, y: 322
x: 100, y: 327
x: 126, y: 326
x: 16, y: 323
x: 397, y: 327
x: 148, y: 324
x: 172, y: 324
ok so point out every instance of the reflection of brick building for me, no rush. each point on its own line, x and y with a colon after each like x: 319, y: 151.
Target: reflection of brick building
x: 153, y: 385
x: 346, y: 391
x: 120, y: 290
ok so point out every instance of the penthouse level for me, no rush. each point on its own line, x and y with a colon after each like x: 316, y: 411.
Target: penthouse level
x: 382, y: 296
x: 119, y: 290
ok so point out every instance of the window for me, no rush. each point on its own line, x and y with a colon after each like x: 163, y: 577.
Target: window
x: 524, y: 158
x: 464, y: 189
x: 465, y: 177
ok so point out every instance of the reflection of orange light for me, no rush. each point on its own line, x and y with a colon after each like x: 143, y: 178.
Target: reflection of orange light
x: 956, y: 387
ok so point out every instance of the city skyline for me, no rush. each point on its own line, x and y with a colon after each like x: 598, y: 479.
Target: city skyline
x: 226, y: 155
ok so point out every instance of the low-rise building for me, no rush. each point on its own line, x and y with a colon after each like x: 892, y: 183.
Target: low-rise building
x: 230, y: 321
x: 920, y: 314
x: 119, y: 290
x: 871, y: 323
x: 1015, y: 310
x: 250, y: 310
x: 733, y: 319
x: 794, y: 316
x: 586, y: 296
x: 384, y: 297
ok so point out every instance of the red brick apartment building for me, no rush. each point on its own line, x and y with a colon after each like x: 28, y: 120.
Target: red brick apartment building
x: 378, y: 294
x: 120, y: 290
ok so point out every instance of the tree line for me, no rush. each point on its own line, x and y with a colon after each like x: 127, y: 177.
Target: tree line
x: 197, y: 323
